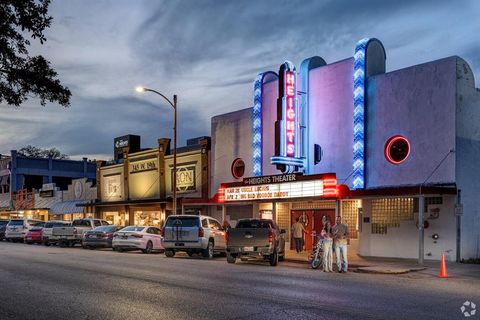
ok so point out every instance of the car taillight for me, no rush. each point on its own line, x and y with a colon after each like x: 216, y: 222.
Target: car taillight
x: 137, y: 235
x: 106, y: 235
x: 270, y: 235
x: 201, y: 233
x: 227, y: 236
x: 162, y: 232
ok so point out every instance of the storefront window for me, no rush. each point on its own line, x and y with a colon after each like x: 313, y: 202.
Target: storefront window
x: 116, y: 218
x: 149, y: 218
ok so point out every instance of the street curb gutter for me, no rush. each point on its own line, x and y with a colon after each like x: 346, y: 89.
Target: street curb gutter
x: 388, y: 270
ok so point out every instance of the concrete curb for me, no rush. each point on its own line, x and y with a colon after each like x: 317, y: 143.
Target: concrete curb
x: 388, y: 270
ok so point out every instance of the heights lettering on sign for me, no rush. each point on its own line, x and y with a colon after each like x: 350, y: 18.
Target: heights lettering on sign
x: 288, y: 138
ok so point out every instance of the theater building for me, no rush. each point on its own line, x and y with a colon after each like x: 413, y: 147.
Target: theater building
x: 136, y: 187
x: 395, y: 153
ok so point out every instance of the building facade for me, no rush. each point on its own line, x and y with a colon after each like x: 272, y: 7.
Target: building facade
x: 30, y: 186
x: 136, y: 189
x: 400, y: 147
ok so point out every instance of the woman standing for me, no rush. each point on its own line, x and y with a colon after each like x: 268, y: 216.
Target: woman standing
x: 327, y: 247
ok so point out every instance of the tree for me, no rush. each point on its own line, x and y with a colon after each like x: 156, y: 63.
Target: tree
x: 36, y: 152
x: 21, y: 75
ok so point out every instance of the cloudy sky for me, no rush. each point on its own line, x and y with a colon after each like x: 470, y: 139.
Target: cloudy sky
x: 209, y: 52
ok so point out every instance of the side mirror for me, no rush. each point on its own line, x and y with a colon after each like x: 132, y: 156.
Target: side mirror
x: 283, y: 231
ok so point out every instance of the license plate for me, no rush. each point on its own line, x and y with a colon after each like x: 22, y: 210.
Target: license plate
x: 179, y: 244
x: 248, y: 249
x: 99, y: 236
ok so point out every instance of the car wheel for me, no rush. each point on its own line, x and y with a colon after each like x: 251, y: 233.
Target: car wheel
x: 281, y: 257
x: 119, y: 250
x: 231, y: 259
x: 208, y: 253
x: 169, y: 253
x: 148, y: 249
x: 46, y: 243
x: 274, y: 258
x: 190, y: 253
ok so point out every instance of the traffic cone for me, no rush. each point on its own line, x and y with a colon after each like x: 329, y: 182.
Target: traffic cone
x: 443, y: 268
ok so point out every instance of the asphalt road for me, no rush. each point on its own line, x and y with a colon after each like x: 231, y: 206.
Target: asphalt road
x: 39, y: 282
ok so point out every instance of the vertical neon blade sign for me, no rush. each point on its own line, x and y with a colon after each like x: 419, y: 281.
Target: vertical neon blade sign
x: 290, y: 114
x: 359, y: 87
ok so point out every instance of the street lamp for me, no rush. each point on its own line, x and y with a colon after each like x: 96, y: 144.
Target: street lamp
x: 174, y: 106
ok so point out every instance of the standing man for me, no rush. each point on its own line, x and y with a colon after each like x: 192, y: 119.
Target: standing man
x: 340, y: 241
x: 298, y: 230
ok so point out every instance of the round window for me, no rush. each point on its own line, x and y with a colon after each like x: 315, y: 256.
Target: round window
x: 397, y: 149
x: 238, y: 168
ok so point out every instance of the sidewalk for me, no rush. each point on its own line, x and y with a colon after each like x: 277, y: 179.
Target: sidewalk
x: 381, y: 265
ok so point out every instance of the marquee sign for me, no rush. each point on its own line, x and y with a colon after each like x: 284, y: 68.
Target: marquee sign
x: 287, y: 127
x: 281, y: 187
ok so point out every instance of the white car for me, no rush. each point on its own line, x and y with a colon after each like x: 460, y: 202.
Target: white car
x: 17, y: 228
x: 145, y: 238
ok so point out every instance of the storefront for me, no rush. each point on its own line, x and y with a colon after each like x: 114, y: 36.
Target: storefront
x: 136, y: 189
x: 74, y: 202
x: 401, y: 160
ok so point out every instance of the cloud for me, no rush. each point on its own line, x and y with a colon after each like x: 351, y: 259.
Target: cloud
x: 209, y: 52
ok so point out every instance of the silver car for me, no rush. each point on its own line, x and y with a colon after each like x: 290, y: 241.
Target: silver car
x: 193, y: 234
x: 17, y: 228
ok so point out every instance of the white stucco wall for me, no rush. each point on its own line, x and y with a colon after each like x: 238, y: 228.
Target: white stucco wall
x: 468, y: 159
x: 231, y: 139
x: 403, y: 242
x: 418, y: 103
x: 331, y: 117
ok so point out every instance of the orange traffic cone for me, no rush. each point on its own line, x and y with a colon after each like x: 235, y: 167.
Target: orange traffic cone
x: 443, y: 268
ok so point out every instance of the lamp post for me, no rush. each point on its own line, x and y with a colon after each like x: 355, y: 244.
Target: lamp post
x: 174, y: 106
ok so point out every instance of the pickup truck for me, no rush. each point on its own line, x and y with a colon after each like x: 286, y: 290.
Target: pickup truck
x: 72, y: 234
x: 256, y: 238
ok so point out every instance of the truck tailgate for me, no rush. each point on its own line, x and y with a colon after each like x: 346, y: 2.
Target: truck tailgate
x: 63, y: 231
x: 248, y: 237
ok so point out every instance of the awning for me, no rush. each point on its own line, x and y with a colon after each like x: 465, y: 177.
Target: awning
x: 67, y: 207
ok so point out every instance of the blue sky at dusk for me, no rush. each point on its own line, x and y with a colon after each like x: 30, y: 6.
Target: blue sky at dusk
x: 208, y: 53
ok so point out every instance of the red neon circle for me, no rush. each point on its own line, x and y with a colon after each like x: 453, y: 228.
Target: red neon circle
x: 238, y: 168
x: 389, y: 147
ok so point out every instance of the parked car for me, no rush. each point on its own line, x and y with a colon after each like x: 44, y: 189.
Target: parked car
x: 34, y: 235
x: 73, y: 234
x: 193, y: 234
x: 48, y: 228
x: 17, y: 228
x: 100, y: 237
x: 3, y: 226
x: 143, y: 238
x: 256, y: 238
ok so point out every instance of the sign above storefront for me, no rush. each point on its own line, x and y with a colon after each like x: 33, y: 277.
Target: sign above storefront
x: 284, y: 186
x: 141, y: 166
x: 186, y: 178
x: 276, y: 191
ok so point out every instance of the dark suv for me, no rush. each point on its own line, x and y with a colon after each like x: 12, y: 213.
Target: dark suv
x: 3, y: 226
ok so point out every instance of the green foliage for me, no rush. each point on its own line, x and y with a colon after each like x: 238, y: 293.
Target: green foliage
x: 21, y: 75
x: 35, y: 152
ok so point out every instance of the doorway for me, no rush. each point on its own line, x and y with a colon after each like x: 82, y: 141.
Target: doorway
x: 312, y: 221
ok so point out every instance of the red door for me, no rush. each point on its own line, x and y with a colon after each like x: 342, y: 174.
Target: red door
x: 305, y: 217
x: 318, y: 218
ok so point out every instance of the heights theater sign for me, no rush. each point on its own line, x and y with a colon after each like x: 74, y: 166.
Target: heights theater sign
x: 286, y: 186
